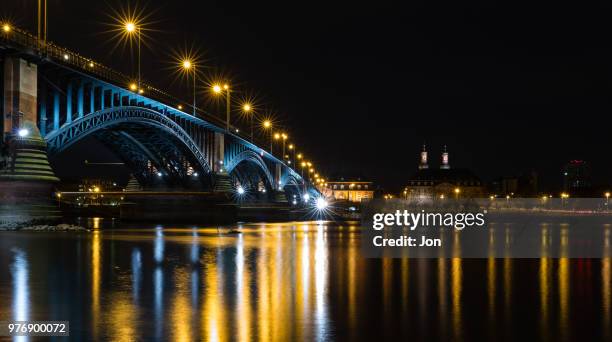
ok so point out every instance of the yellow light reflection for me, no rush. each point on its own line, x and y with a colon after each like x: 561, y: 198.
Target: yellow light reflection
x: 121, y: 318
x: 564, y: 284
x: 456, y: 283
x: 181, y: 311
x: 213, y: 317
x: 95, y: 280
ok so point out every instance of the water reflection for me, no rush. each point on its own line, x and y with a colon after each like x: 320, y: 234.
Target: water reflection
x: 21, y: 288
x: 295, y: 281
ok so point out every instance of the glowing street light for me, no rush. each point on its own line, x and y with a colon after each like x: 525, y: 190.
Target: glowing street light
x: 6, y: 28
x: 607, y: 194
x: 132, y: 28
x: 321, y: 203
x: 187, y: 66
x: 267, y: 124
x: 284, y: 136
x: 217, y: 89
x: 248, y: 109
x: 292, y: 148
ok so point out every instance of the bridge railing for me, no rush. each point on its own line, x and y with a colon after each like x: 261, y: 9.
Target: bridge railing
x: 64, y: 56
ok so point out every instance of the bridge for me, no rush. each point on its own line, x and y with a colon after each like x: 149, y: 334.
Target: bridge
x: 54, y: 98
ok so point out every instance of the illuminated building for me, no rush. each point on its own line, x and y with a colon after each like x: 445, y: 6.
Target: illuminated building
x: 423, y: 164
x: 352, y: 191
x: 429, y: 183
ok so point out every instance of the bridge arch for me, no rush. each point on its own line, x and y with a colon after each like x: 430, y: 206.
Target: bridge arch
x: 237, y: 168
x: 123, y: 129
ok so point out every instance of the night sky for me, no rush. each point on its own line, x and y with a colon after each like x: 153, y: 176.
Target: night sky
x: 361, y: 87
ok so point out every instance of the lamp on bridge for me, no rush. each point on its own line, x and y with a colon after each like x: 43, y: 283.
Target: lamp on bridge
x: 131, y: 28
x: 6, y: 28
x: 247, y: 108
x: 292, y: 148
x: 217, y: 89
x: 187, y: 66
x: 267, y: 124
x: 284, y: 137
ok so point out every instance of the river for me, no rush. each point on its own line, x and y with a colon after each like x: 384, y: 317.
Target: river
x: 289, y: 281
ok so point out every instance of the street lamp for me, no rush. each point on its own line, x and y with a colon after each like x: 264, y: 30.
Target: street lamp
x: 6, y: 28
x: 607, y: 194
x: 188, y: 65
x: 457, y: 192
x: 292, y: 149
x: 284, y: 136
x: 248, y: 110
x: 217, y: 89
x: 131, y: 28
x: 267, y: 124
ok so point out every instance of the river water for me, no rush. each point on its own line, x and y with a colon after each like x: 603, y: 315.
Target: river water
x: 289, y: 281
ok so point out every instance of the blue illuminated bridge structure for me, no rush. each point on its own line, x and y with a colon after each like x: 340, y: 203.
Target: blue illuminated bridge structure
x: 62, y: 97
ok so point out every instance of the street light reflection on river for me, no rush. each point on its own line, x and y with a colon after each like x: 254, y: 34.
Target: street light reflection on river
x: 291, y: 281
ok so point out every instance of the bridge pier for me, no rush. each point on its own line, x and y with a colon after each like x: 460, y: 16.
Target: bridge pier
x: 26, y: 178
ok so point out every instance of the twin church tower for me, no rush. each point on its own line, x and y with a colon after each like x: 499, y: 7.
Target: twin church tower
x: 423, y: 164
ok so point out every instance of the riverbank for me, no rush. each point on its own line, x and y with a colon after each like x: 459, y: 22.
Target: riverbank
x: 63, y: 227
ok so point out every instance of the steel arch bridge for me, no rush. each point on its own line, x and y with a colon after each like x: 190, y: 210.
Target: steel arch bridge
x: 165, y: 147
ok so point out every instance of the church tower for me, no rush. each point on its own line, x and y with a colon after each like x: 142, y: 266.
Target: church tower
x: 445, y: 165
x: 423, y: 163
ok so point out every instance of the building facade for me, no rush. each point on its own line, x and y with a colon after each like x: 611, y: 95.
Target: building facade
x: 352, y: 191
x: 427, y: 184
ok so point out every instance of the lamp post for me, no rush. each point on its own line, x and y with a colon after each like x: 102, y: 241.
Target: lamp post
x: 284, y: 137
x: 187, y: 66
x: 218, y: 89
x: 131, y: 27
x: 247, y: 109
x: 292, y: 149
x: 607, y: 194
x: 267, y: 124
x: 277, y: 136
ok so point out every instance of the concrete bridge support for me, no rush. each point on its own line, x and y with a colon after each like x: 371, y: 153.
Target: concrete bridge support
x: 26, y: 178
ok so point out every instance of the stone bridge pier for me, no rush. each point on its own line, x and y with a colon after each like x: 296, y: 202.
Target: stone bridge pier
x: 26, y: 178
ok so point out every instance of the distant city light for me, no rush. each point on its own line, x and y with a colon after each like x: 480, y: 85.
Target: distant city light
x: 306, y: 197
x: 66, y: 56
x: 6, y: 28
x: 159, y: 174
x: 23, y: 132
x: 240, y: 190
x: 195, y: 174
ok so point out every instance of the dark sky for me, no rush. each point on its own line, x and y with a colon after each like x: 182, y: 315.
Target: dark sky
x: 360, y: 87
